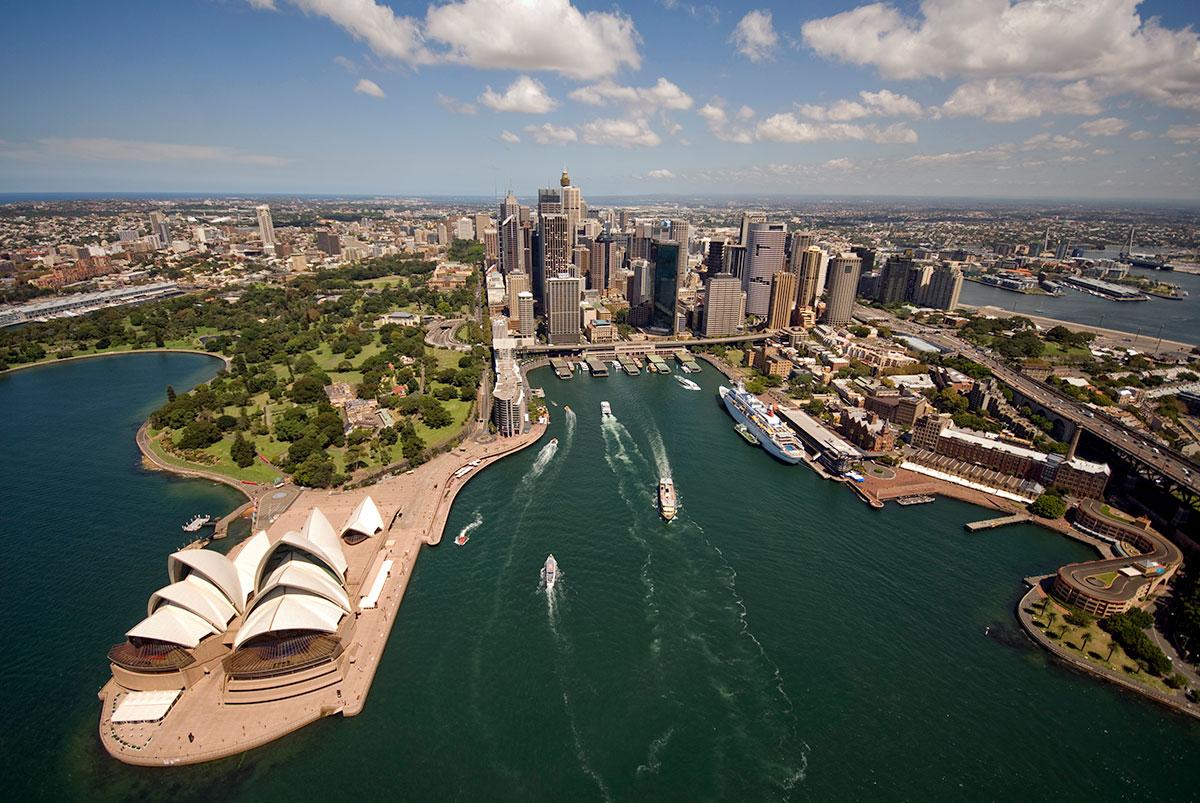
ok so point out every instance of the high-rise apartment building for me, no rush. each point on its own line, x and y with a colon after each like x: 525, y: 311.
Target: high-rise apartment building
x: 516, y: 283
x: 843, y: 283
x: 714, y: 257
x: 724, y: 305
x: 481, y: 223
x: 801, y: 240
x: 512, y: 253
x: 783, y: 300
x: 562, y: 308
x: 944, y: 287
x: 765, y: 253
x: 266, y: 227
x: 329, y: 243
x: 160, y: 230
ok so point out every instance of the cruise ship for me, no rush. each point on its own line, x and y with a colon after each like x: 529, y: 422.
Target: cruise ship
x: 763, y: 423
x: 666, y: 498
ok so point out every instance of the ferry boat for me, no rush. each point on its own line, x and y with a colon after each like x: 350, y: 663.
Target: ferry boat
x: 666, y: 498
x: 198, y: 521
x: 763, y: 423
x: 550, y: 572
x: 686, y: 383
x: 746, y: 434
x: 606, y: 410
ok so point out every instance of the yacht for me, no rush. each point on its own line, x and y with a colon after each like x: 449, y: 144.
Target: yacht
x: 606, y: 410
x: 550, y: 572
x: 686, y: 383
x: 197, y: 522
x: 666, y: 498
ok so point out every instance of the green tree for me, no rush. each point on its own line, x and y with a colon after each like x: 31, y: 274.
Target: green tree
x: 1048, y: 507
x: 242, y: 451
x: 170, y: 393
x: 308, y: 389
x: 199, y: 435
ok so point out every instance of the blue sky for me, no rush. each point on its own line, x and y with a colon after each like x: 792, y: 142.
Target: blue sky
x: 997, y: 98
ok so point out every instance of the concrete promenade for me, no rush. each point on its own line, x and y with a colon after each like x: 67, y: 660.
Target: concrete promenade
x: 416, y: 504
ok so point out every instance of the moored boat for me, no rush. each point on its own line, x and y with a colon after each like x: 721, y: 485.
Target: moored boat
x: 746, y: 434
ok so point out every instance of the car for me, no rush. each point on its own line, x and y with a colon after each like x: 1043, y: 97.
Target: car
x: 1155, y: 450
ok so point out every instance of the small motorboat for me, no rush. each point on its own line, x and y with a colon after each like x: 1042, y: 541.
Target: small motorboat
x: 462, y: 539
x: 550, y: 572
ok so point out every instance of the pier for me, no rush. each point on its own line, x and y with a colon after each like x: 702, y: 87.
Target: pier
x: 597, y: 366
x: 1003, y: 521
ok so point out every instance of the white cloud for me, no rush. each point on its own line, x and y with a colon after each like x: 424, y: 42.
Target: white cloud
x: 713, y: 114
x: 839, y: 164
x: 787, y: 128
x: 745, y: 113
x: 525, y: 95
x: 1102, y: 152
x: 1138, y: 136
x: 547, y: 134
x: 755, y: 36
x: 346, y: 64
x: 619, y: 133
x: 1106, y: 42
x: 509, y: 136
x: 1183, y: 133
x: 1005, y: 100
x: 663, y: 94
x: 550, y: 35
x: 456, y: 106
x: 1103, y: 127
x: 660, y: 173
x: 128, y: 150
x: 366, y: 86
x: 883, y: 103
x: 263, y: 5
x: 978, y: 156
x: 1054, y: 142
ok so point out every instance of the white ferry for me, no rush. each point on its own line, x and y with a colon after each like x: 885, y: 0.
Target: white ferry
x: 666, y: 498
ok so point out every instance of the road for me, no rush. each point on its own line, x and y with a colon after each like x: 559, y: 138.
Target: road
x: 440, y: 334
x: 1171, y: 465
x: 665, y: 343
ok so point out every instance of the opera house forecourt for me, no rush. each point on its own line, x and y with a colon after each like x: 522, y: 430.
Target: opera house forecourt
x: 236, y: 651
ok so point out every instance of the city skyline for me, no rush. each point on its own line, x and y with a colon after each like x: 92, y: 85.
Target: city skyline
x: 1086, y: 100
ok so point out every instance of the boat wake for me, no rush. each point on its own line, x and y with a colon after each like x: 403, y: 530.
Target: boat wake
x: 661, y: 461
x: 653, y: 762
x: 570, y: 419
x: 544, y: 456
x: 475, y: 523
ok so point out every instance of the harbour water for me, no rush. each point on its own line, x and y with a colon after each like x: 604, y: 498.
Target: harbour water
x: 777, y: 640
x: 1158, y: 317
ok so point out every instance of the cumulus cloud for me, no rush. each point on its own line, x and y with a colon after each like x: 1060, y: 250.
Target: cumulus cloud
x: 547, y: 134
x: 1103, y: 127
x: 660, y: 173
x: 1105, y: 42
x: 1054, y: 142
x: 346, y: 64
x: 1183, y: 133
x: 883, y: 103
x: 525, y: 95
x: 1138, y: 136
x: 366, y: 86
x: 755, y: 36
x: 663, y: 94
x: 976, y: 156
x: 508, y: 136
x: 551, y: 35
x: 788, y: 128
x: 619, y: 133
x: 714, y: 115
x: 1006, y: 100
x: 456, y: 106
x: 129, y: 150
x: 548, y: 35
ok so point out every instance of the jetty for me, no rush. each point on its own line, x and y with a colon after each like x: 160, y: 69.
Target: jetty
x: 597, y: 366
x: 561, y: 366
x: 1003, y: 521
x: 629, y: 365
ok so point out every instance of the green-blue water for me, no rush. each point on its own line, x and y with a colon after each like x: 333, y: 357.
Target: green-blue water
x: 779, y: 639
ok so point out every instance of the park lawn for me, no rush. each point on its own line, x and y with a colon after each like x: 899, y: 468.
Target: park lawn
x: 391, y: 279
x: 1100, y: 643
x: 446, y: 358
x: 1053, y: 349
x: 459, y: 410
x: 327, y: 360
x: 258, y: 471
x: 1106, y: 578
x: 225, y: 467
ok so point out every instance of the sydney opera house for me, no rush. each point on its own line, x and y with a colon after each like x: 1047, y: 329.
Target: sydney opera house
x: 271, y: 623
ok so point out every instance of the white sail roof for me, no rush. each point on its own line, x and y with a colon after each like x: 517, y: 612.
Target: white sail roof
x: 318, y: 530
x: 365, y: 519
x: 214, y: 567
x: 304, y: 576
x: 197, y: 595
x: 292, y: 610
x: 250, y: 558
x: 173, y: 625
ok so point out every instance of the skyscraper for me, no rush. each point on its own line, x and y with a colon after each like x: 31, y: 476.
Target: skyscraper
x: 724, y: 303
x: 158, y: 227
x: 765, y: 253
x: 516, y: 284
x: 266, y: 228
x: 807, y: 267
x: 748, y: 220
x: 639, y: 291
x: 783, y: 300
x: 481, y: 223
x: 666, y: 257
x: 572, y: 203
x: 714, y: 258
x: 843, y: 282
x: 329, y: 242
x: 734, y: 259
x: 527, y: 325
x: 562, y: 308
x: 549, y: 201
x: 512, y: 255
x: 801, y: 240
x: 554, y: 248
